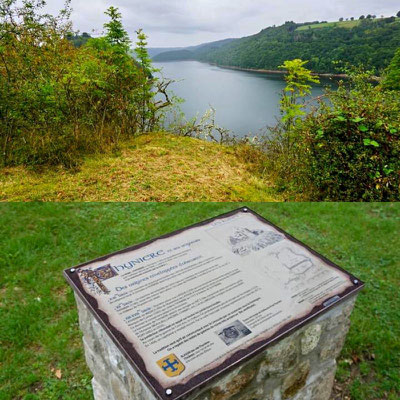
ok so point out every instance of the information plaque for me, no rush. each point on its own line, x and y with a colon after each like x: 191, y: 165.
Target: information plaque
x: 190, y: 304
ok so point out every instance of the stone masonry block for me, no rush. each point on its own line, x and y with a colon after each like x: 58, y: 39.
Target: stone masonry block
x: 299, y: 367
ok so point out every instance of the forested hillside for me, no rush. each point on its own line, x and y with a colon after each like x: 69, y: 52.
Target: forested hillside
x: 187, y: 53
x: 371, y: 42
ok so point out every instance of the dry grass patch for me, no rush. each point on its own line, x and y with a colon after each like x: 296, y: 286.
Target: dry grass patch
x: 153, y: 167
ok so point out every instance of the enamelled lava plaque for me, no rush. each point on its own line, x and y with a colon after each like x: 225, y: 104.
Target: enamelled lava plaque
x: 188, y: 305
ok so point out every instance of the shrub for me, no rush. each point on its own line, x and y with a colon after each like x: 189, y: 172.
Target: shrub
x: 350, y: 145
x: 347, y: 148
x: 58, y: 102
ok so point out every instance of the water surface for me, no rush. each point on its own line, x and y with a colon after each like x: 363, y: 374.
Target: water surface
x: 245, y: 102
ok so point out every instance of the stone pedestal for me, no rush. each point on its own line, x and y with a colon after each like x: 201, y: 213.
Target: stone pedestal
x: 299, y: 367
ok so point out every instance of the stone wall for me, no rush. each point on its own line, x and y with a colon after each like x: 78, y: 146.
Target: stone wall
x: 300, y: 367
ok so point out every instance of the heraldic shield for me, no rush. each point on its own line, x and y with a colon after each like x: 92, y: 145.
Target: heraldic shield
x: 171, y: 365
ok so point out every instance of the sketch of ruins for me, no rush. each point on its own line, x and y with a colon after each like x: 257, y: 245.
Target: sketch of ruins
x: 243, y: 240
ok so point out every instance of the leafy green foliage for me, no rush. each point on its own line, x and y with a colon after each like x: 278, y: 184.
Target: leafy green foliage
x: 145, y: 95
x: 116, y: 34
x: 347, y: 148
x: 392, y: 76
x: 57, y: 101
x: 284, y: 160
x: 353, y: 42
x: 351, y: 144
x: 298, y: 81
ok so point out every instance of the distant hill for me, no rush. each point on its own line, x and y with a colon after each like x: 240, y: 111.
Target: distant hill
x: 187, y: 53
x: 371, y: 42
x: 175, y: 55
x: 154, y: 51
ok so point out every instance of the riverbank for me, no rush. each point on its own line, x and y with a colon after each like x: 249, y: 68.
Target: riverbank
x: 151, y: 167
x: 283, y: 72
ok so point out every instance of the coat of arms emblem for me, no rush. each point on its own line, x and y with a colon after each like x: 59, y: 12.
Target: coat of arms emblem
x: 171, y: 365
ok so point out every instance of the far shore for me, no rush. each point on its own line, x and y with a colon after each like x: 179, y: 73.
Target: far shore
x: 269, y: 71
x: 283, y: 72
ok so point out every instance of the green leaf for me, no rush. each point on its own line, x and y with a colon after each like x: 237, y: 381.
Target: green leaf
x: 369, y: 142
x: 358, y: 119
x: 320, y: 134
x: 363, y: 128
x: 393, y: 130
x: 340, y: 118
x: 387, y: 170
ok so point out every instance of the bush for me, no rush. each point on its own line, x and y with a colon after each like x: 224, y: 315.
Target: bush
x: 347, y: 148
x: 350, y: 146
x: 58, y: 102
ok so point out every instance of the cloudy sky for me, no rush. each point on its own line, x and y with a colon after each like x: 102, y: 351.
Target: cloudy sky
x: 172, y: 23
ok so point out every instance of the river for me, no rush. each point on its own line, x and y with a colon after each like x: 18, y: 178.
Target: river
x: 245, y: 102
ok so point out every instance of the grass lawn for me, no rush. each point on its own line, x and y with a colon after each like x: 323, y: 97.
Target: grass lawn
x: 41, y: 356
x: 152, y: 167
x: 337, y: 24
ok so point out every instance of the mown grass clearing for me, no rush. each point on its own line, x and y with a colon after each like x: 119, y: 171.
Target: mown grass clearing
x: 152, y: 167
x: 337, y: 24
x: 41, y: 356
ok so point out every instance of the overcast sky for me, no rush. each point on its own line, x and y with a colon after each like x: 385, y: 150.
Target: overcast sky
x: 172, y: 23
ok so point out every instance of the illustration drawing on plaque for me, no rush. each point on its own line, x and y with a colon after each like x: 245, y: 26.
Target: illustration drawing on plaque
x: 243, y: 240
x: 233, y: 332
x: 291, y: 267
x: 93, y: 278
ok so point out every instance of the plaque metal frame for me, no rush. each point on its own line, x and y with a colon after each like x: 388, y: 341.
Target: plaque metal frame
x: 180, y: 390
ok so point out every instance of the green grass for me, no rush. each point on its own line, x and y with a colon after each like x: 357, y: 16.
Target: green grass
x: 38, y: 322
x: 151, y: 167
x: 337, y: 24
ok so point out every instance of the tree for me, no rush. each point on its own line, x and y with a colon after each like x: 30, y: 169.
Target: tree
x: 398, y: 14
x: 392, y: 76
x: 352, y: 18
x: 298, y: 86
x: 341, y: 19
x: 116, y: 35
x: 145, y: 95
x: 362, y: 17
x: 369, y: 16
